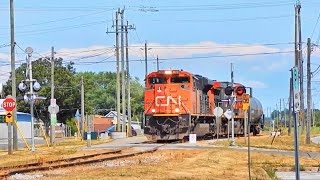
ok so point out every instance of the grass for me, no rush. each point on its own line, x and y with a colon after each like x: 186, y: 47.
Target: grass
x: 283, y: 142
x: 220, y: 163
x: 67, y: 148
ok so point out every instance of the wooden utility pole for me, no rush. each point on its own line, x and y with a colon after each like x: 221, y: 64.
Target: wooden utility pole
x: 13, y: 80
x: 118, y: 72
x: 301, y: 72
x: 308, y: 92
x: 123, y: 82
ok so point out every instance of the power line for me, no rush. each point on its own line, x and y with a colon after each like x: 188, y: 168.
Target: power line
x: 212, y: 56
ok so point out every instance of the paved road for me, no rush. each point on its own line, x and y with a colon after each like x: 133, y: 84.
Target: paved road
x: 303, y: 175
x: 316, y: 140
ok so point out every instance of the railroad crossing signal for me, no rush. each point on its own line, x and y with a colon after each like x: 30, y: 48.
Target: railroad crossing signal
x: 245, y: 101
x: 9, y: 104
x: 9, y: 117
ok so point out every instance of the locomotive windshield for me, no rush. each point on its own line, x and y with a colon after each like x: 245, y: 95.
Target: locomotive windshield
x: 157, y: 80
x: 177, y: 79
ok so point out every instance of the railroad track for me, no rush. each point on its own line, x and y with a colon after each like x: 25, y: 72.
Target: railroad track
x: 67, y: 162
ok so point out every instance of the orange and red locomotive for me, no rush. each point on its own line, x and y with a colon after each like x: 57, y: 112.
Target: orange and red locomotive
x: 178, y: 103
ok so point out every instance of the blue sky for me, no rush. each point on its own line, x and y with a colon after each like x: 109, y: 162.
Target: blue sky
x: 174, y: 30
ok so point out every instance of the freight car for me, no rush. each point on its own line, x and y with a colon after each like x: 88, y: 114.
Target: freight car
x: 178, y: 103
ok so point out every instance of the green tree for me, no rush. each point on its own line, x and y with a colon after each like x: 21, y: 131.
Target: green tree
x: 66, y: 89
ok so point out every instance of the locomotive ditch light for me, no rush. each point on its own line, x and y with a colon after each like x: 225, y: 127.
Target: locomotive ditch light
x: 228, y: 90
x: 153, y: 110
x: 240, y: 90
x: 177, y: 110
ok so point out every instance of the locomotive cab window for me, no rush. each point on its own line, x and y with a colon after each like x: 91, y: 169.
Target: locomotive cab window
x: 157, y: 80
x: 177, y: 79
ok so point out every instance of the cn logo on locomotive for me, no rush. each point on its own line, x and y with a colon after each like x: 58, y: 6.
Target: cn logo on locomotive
x: 159, y: 101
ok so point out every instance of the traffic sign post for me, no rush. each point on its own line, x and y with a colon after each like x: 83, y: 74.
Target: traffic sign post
x: 9, y: 117
x: 218, y: 111
x: 53, y: 109
x: 9, y: 104
x: 296, y: 109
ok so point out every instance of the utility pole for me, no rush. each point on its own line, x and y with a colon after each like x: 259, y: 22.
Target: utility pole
x: 82, y: 106
x: 52, y: 126
x: 295, y: 90
x: 118, y: 71
x: 13, y: 77
x: 118, y: 90
x: 301, y: 72
x: 123, y: 82
x: 280, y: 112
x: 146, y: 58
x: 128, y: 79
x: 231, y: 107
x: 308, y: 92
x: 157, y: 63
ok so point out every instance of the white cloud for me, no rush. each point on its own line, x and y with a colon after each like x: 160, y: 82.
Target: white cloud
x: 272, y: 66
x: 169, y: 50
x: 255, y: 84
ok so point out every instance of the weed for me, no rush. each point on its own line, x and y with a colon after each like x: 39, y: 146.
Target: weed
x: 271, y: 172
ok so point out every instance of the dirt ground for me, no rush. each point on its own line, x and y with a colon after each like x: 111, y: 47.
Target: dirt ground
x: 220, y: 163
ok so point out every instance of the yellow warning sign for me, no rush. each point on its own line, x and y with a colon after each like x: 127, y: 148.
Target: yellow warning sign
x: 9, y: 117
x: 245, y: 106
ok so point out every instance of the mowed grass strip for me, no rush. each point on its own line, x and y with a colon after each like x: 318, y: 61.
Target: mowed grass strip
x: 64, y: 149
x: 220, y: 163
x: 283, y: 142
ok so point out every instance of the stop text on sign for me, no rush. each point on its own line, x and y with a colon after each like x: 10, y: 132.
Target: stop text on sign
x: 9, y: 104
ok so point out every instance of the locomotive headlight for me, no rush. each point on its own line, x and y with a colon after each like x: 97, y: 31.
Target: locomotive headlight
x: 177, y: 110
x: 153, y: 110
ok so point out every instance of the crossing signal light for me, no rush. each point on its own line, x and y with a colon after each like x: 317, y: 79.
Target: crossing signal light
x: 228, y: 90
x: 240, y: 90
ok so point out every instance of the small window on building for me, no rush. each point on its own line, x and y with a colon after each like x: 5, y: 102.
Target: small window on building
x: 157, y: 80
x: 178, y: 79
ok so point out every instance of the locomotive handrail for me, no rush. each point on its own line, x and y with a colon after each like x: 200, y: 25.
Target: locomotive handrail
x: 149, y: 107
x: 184, y: 107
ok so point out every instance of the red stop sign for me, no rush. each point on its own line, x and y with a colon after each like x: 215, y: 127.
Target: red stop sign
x: 9, y: 104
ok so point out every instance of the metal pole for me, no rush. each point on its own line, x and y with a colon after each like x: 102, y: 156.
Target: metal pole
x: 290, y: 107
x: 146, y: 58
x: 157, y: 63
x: 284, y: 114
x: 82, y: 106
x: 89, y: 124
x: 308, y: 93
x: 128, y: 82
x: 31, y: 103
x: 231, y: 107
x: 123, y: 83
x: 13, y: 75
x: 249, y: 125
x: 118, y: 72
x: 52, y: 126
x: 296, y: 139
x: 301, y: 71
